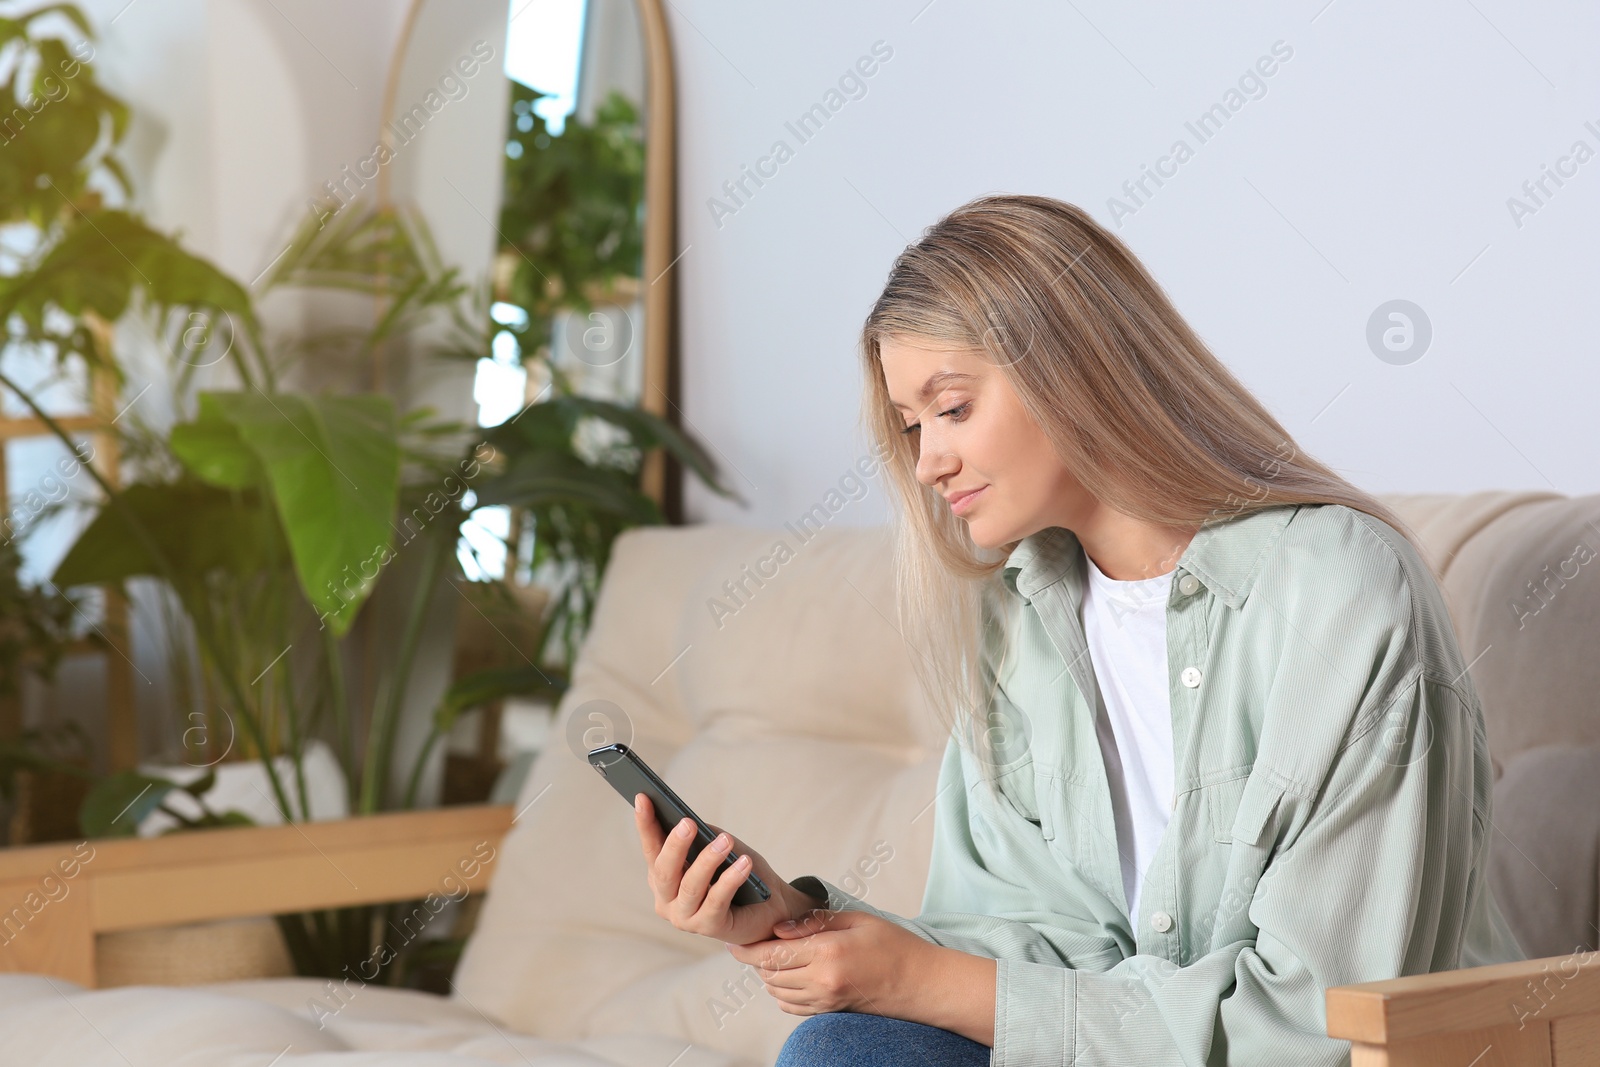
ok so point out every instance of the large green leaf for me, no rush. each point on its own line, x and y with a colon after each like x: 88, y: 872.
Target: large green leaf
x: 197, y: 528
x: 214, y: 450
x: 117, y: 805
x: 550, y: 425
x: 333, y: 463
x: 539, y: 479
x: 120, y: 802
x: 99, y: 260
x: 55, y: 114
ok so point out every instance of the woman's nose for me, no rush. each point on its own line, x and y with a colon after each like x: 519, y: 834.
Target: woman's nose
x: 935, y: 462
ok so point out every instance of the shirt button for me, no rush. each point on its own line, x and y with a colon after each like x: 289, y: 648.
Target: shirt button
x: 1188, y: 584
x: 1190, y: 676
x: 1161, y: 921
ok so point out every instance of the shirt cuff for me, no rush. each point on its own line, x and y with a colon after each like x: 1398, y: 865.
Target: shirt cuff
x: 1035, y: 1015
x: 830, y: 896
x: 840, y: 901
x: 812, y: 887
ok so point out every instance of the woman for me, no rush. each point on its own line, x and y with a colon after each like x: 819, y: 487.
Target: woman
x: 1214, y: 747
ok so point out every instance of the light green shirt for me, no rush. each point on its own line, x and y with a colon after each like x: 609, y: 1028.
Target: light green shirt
x: 1331, y: 818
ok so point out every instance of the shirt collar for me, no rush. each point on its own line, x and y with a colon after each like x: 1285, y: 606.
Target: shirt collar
x: 1226, y: 554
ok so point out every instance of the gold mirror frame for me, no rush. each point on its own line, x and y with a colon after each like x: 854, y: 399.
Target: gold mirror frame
x: 660, y: 229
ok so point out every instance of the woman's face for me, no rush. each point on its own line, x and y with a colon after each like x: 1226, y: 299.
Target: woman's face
x: 974, y: 434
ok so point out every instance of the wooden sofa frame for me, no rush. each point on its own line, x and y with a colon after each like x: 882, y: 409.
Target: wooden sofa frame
x: 55, y: 899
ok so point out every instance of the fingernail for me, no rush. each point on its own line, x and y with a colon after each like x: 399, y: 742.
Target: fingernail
x: 787, y: 924
x: 685, y: 828
x: 722, y: 843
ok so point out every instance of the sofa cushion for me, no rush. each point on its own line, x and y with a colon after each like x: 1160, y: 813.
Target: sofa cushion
x: 1544, y: 859
x: 48, y: 1022
x: 1540, y: 611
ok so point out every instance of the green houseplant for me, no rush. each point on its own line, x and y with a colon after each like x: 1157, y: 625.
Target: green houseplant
x: 69, y: 265
x: 272, y: 516
x: 571, y: 217
x: 289, y: 511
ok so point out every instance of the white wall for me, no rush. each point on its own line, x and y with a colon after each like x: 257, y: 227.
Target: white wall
x: 1376, y: 165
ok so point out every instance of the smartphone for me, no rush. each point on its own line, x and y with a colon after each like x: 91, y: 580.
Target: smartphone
x: 629, y: 776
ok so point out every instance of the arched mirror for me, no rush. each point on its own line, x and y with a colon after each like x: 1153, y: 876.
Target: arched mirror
x: 536, y: 137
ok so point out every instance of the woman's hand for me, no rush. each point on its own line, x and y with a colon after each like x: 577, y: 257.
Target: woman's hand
x: 841, y: 961
x: 688, y: 897
x: 857, y: 961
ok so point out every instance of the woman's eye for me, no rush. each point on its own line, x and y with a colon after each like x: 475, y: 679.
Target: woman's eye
x: 960, y: 411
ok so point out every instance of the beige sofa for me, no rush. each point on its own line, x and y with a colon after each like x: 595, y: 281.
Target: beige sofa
x: 751, y: 677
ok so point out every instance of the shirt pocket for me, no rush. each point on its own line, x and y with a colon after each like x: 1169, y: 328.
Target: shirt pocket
x: 1256, y: 820
x: 1243, y: 816
x: 1222, y: 798
x: 1242, y: 809
x: 1028, y: 791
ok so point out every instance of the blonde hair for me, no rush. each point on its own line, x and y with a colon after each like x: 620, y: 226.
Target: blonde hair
x: 1141, y: 412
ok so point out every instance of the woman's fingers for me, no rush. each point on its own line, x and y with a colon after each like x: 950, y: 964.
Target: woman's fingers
x: 669, y: 865
x: 770, y: 959
x: 697, y: 878
x: 792, y: 1001
x: 757, y: 864
x: 785, y: 969
x: 663, y: 852
x: 783, y: 980
x: 719, y: 898
x: 692, y: 895
x: 652, y: 839
x: 650, y: 835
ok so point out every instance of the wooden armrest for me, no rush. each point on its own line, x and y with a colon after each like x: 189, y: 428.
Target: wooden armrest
x: 55, y: 898
x: 1544, y: 1011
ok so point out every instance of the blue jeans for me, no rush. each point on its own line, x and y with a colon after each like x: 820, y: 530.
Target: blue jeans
x: 851, y: 1039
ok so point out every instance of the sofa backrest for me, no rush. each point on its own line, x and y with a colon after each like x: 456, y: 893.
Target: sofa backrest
x: 765, y: 678
x: 1521, y: 576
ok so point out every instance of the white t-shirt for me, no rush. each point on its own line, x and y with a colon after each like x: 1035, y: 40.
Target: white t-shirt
x: 1125, y: 624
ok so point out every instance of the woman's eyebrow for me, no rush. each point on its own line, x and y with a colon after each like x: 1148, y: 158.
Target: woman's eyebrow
x: 938, y: 378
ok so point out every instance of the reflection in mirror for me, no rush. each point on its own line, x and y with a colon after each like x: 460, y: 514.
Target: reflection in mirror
x: 544, y: 156
x: 570, y: 231
x: 567, y: 269
x: 531, y: 169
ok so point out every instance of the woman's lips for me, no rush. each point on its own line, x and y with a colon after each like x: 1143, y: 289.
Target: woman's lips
x: 964, y: 502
